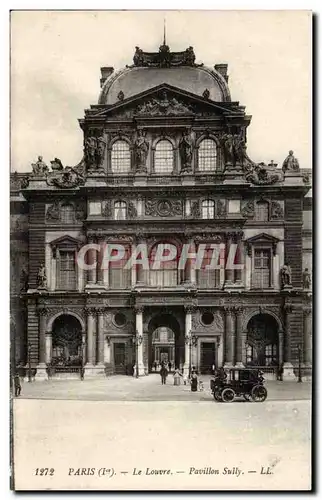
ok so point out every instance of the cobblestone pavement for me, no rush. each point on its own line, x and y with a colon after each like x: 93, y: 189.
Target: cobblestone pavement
x: 123, y: 388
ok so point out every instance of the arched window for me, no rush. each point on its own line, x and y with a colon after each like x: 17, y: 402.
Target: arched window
x: 120, y: 210
x: 164, y: 273
x: 261, y: 211
x: 67, y: 213
x: 121, y: 157
x: 207, y: 155
x: 208, y: 209
x: 163, y: 158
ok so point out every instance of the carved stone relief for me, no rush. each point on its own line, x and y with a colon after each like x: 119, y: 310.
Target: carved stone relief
x: 163, y: 208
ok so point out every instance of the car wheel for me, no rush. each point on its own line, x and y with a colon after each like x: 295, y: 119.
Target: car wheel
x: 228, y: 395
x: 259, y: 393
x: 217, y: 395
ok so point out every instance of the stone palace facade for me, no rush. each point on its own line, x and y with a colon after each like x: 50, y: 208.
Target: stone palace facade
x: 165, y: 162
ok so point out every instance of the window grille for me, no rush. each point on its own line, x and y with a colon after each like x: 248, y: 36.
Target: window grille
x: 121, y: 157
x: 120, y: 210
x: 208, y: 209
x: 207, y: 155
x: 163, y: 158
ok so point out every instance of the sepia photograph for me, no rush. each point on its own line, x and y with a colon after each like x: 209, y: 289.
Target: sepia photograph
x: 161, y: 250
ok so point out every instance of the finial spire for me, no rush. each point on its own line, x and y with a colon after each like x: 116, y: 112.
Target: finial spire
x: 164, y: 32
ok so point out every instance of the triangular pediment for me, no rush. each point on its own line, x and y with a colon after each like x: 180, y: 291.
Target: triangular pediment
x: 165, y: 100
x: 263, y: 238
x: 66, y: 241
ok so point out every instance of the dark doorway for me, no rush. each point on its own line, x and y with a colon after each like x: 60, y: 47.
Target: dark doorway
x: 207, y: 356
x: 166, y: 342
x: 119, y: 358
x: 262, y: 341
x: 67, y: 340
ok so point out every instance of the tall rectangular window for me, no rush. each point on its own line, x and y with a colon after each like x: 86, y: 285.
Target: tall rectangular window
x: 119, y: 277
x: 261, y: 276
x: 208, y: 277
x: 66, y: 270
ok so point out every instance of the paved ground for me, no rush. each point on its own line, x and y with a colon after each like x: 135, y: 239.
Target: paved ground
x: 123, y: 388
x: 187, y: 438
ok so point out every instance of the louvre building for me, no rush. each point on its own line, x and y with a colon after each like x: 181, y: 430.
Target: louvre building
x: 164, y: 165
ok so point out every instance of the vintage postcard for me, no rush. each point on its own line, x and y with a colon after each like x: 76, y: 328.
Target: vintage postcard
x: 161, y: 250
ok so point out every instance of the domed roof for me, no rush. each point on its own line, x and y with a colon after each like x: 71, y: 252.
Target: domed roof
x: 178, y: 69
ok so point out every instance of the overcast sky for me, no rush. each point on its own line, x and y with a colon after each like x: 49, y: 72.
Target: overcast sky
x: 56, y: 58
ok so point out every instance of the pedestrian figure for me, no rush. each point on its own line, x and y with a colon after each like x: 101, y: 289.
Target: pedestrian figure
x: 185, y: 379
x: 280, y: 373
x: 82, y: 372
x: 164, y: 374
x: 170, y: 365
x: 213, y: 368
x: 134, y: 370
x: 17, y: 385
x: 155, y: 366
x: 194, y: 381
x: 201, y: 385
x: 177, y: 376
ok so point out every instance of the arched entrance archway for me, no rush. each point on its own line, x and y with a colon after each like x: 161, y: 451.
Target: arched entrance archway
x: 66, y: 340
x: 262, y: 346
x: 166, y: 341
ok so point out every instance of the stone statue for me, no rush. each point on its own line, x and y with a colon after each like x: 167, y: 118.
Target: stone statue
x: 138, y: 57
x: 100, y: 150
x: 90, y: 151
x: 234, y: 148
x: 120, y: 95
x: 286, y: 276
x: 41, y: 277
x: 186, y: 150
x: 306, y: 278
x: 141, y: 150
x: 40, y: 167
x: 56, y: 164
x: 206, y: 94
x: 290, y: 164
x: 189, y: 56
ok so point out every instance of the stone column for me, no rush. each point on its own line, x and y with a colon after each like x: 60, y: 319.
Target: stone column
x: 220, y: 352
x: 229, y: 273
x: 188, y: 327
x: 239, y: 336
x: 280, y: 348
x: 190, y: 269
x: 91, y: 258
x: 42, y: 322
x: 100, y: 338
x: 240, y: 273
x: 229, y: 337
x: 49, y: 347
x: 288, y: 371
x: 100, y: 256
x: 139, y: 340
x: 91, y: 337
x: 307, y: 338
x: 133, y: 270
x: 107, y: 350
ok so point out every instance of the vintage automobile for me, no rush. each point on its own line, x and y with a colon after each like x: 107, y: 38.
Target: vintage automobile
x: 234, y: 382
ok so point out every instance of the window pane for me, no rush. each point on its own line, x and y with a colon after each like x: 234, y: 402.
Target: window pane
x: 207, y: 155
x: 119, y: 277
x: 208, y: 209
x: 67, y: 214
x: 120, y: 210
x: 121, y: 157
x: 67, y: 271
x: 167, y: 275
x: 163, y: 158
x: 208, y: 278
